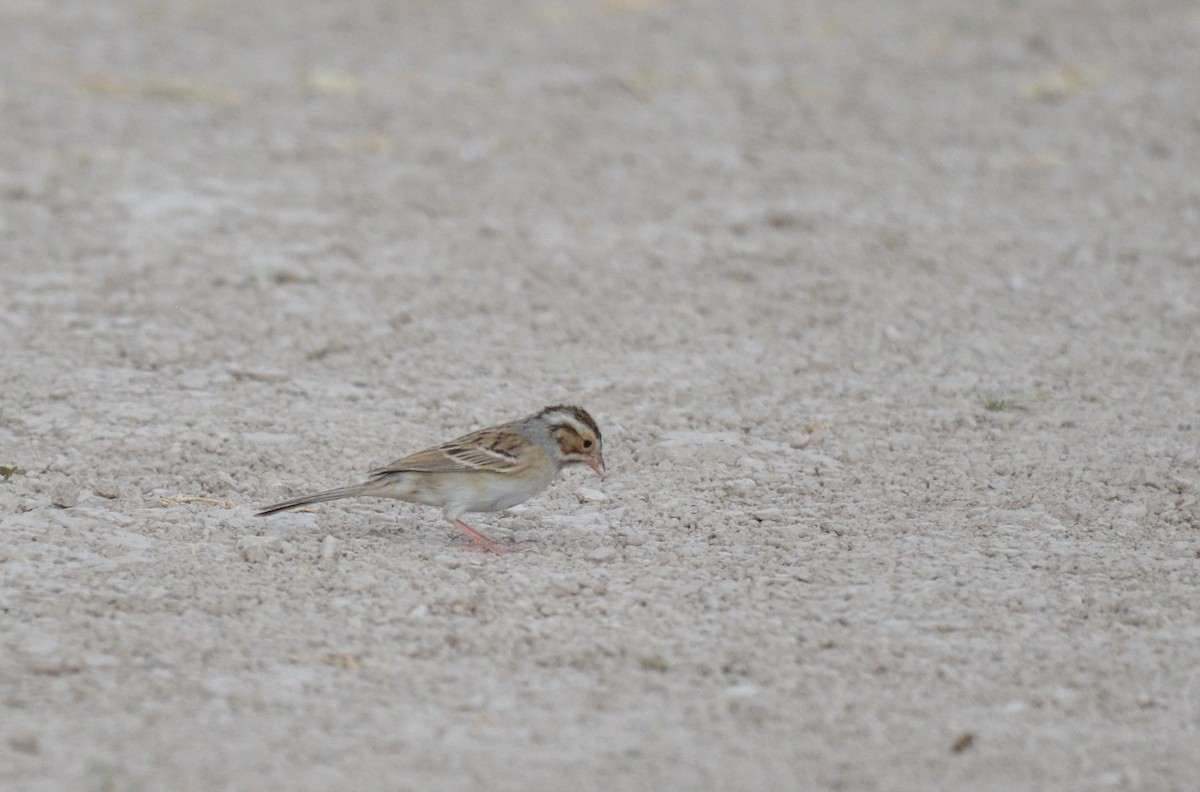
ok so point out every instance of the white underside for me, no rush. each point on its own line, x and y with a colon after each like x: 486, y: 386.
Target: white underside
x: 457, y: 493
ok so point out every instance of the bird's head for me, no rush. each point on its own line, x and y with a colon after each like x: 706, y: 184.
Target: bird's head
x: 575, y: 435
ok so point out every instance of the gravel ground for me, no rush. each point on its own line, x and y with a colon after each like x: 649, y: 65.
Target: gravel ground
x: 890, y: 314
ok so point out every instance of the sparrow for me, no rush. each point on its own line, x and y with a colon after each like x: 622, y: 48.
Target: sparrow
x: 487, y: 470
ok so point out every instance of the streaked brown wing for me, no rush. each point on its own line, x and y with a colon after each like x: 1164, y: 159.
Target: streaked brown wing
x: 486, y: 450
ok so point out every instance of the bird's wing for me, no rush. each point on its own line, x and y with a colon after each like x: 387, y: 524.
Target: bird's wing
x: 495, y: 450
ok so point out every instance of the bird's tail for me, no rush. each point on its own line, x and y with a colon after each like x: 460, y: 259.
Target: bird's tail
x: 308, y: 500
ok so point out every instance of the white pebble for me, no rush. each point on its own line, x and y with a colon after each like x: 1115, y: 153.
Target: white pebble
x: 589, y: 494
x: 1134, y: 511
x: 64, y: 495
x: 565, y: 586
x: 742, y: 486
x: 107, y: 489
x: 25, y: 742
x: 329, y: 553
x: 632, y: 537
x: 602, y: 555
x: 256, y: 548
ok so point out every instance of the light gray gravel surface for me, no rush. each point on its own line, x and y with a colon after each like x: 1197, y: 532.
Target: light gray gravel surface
x: 890, y: 314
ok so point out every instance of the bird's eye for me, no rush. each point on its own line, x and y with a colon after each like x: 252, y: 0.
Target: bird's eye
x: 587, y: 444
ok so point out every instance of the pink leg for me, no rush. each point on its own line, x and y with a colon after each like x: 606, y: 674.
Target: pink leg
x: 488, y: 544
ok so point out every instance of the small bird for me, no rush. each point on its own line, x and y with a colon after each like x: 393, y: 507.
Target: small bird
x: 487, y: 470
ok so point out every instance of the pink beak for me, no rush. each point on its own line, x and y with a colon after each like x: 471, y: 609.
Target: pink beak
x: 596, y: 463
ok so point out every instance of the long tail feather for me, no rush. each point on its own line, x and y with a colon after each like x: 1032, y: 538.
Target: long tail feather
x: 308, y: 500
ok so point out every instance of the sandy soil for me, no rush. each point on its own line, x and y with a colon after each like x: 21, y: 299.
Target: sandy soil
x: 889, y: 311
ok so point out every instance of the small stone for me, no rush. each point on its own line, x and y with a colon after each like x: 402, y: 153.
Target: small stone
x: 769, y: 515
x: 743, y: 690
x: 632, y: 537
x: 330, y: 347
x: 107, y: 488
x: 1133, y: 511
x: 1185, y: 550
x: 253, y: 552
x: 50, y: 659
x: 329, y: 552
x: 799, y: 439
x: 602, y: 555
x: 589, y: 494
x: 742, y: 486
x: 419, y: 613
x: 1181, y: 485
x: 288, y: 274
x: 565, y: 586
x: 256, y: 548
x: 652, y: 662
x: 24, y: 742
x: 64, y: 495
x: 218, y: 483
x: 260, y: 374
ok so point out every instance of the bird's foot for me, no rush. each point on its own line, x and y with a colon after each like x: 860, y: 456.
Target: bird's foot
x: 477, y: 537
